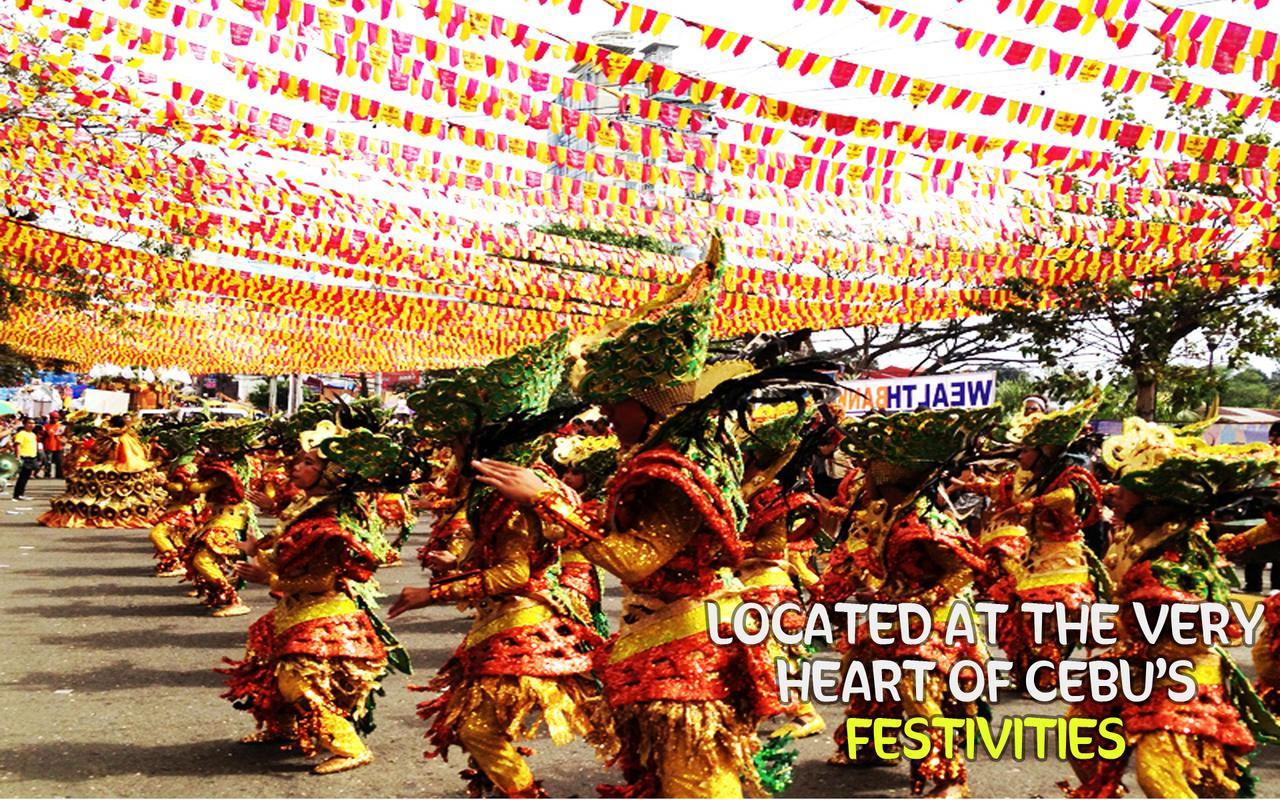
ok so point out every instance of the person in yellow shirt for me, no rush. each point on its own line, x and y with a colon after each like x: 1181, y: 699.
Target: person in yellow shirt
x: 28, y: 448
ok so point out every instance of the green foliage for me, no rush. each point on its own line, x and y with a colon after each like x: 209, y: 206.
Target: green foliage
x: 1150, y: 327
x: 1011, y: 391
x: 602, y: 236
x: 260, y: 395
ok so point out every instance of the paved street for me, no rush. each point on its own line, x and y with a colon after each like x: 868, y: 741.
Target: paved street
x: 106, y: 689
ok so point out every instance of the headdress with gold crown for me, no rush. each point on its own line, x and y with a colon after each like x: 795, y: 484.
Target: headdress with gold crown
x: 365, y: 452
x: 916, y: 439
x: 596, y: 457
x: 1176, y: 466
x: 1053, y: 429
x: 521, y: 383
x: 655, y: 354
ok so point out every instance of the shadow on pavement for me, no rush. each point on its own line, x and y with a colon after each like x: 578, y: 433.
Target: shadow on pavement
x: 164, y: 587
x: 137, y: 571
x: 407, y: 624
x: 121, y: 675
x: 217, y: 642
x: 80, y: 761
x: 188, y: 609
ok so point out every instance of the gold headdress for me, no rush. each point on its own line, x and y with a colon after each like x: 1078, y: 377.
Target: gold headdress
x: 1180, y: 468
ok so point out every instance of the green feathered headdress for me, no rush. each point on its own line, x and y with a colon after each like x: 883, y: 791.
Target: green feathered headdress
x: 1053, y: 429
x: 596, y: 457
x: 775, y: 427
x: 231, y: 438
x: 521, y: 383
x: 1162, y: 463
x: 916, y: 438
x: 662, y: 344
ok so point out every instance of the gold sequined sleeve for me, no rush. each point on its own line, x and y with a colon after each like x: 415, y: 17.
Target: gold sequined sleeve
x: 800, y: 566
x: 772, y: 541
x: 510, y: 568
x: 204, y: 487
x: 1061, y: 498
x: 665, y: 522
x: 1263, y: 533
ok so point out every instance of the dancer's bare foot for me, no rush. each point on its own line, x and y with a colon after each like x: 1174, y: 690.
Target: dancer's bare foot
x: 231, y: 611
x: 803, y: 726
x: 343, y: 763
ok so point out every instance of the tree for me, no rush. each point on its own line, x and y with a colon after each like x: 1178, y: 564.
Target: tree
x: 1189, y: 305
x: 602, y: 236
x: 934, y: 347
x: 1248, y: 388
x: 260, y: 395
x: 52, y: 99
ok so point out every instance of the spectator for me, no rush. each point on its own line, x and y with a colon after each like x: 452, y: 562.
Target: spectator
x: 28, y: 447
x: 53, y: 433
x: 1034, y: 404
x: 1273, y: 434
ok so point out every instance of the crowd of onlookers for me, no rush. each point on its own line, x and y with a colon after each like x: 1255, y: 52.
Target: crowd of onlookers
x: 37, y: 446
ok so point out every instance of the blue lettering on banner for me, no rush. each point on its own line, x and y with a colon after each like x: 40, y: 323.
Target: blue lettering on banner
x: 957, y: 393
x: 939, y: 396
x: 909, y: 390
x: 980, y: 393
x: 892, y: 397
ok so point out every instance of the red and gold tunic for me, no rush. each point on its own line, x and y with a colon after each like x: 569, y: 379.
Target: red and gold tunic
x: 686, y: 709
x: 528, y: 650
x: 311, y: 663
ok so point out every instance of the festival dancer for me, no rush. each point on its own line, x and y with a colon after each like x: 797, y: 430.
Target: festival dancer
x: 395, y: 512
x: 112, y: 483
x: 781, y: 520
x: 1160, y: 554
x: 1032, y: 534
x: 185, y: 512
x: 229, y: 519
x: 1266, y: 648
x: 913, y: 550
x: 686, y: 709
x: 529, y: 649
x: 312, y: 664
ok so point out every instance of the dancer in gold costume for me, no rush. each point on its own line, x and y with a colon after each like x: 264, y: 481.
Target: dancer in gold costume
x: 113, y: 482
x: 781, y: 520
x: 184, y: 514
x: 1160, y: 554
x: 904, y: 545
x: 527, y: 659
x: 1032, y: 535
x: 230, y: 518
x: 686, y: 709
x: 312, y: 664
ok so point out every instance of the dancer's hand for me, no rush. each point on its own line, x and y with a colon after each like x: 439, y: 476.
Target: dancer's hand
x: 259, y: 499
x: 518, y: 484
x: 1232, y: 544
x: 410, y: 598
x: 441, y: 560
x: 253, y: 572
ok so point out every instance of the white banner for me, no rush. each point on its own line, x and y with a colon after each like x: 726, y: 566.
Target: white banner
x: 100, y: 402
x: 961, y: 390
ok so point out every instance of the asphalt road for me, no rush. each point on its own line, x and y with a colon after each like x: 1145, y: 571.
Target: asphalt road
x: 107, y: 689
